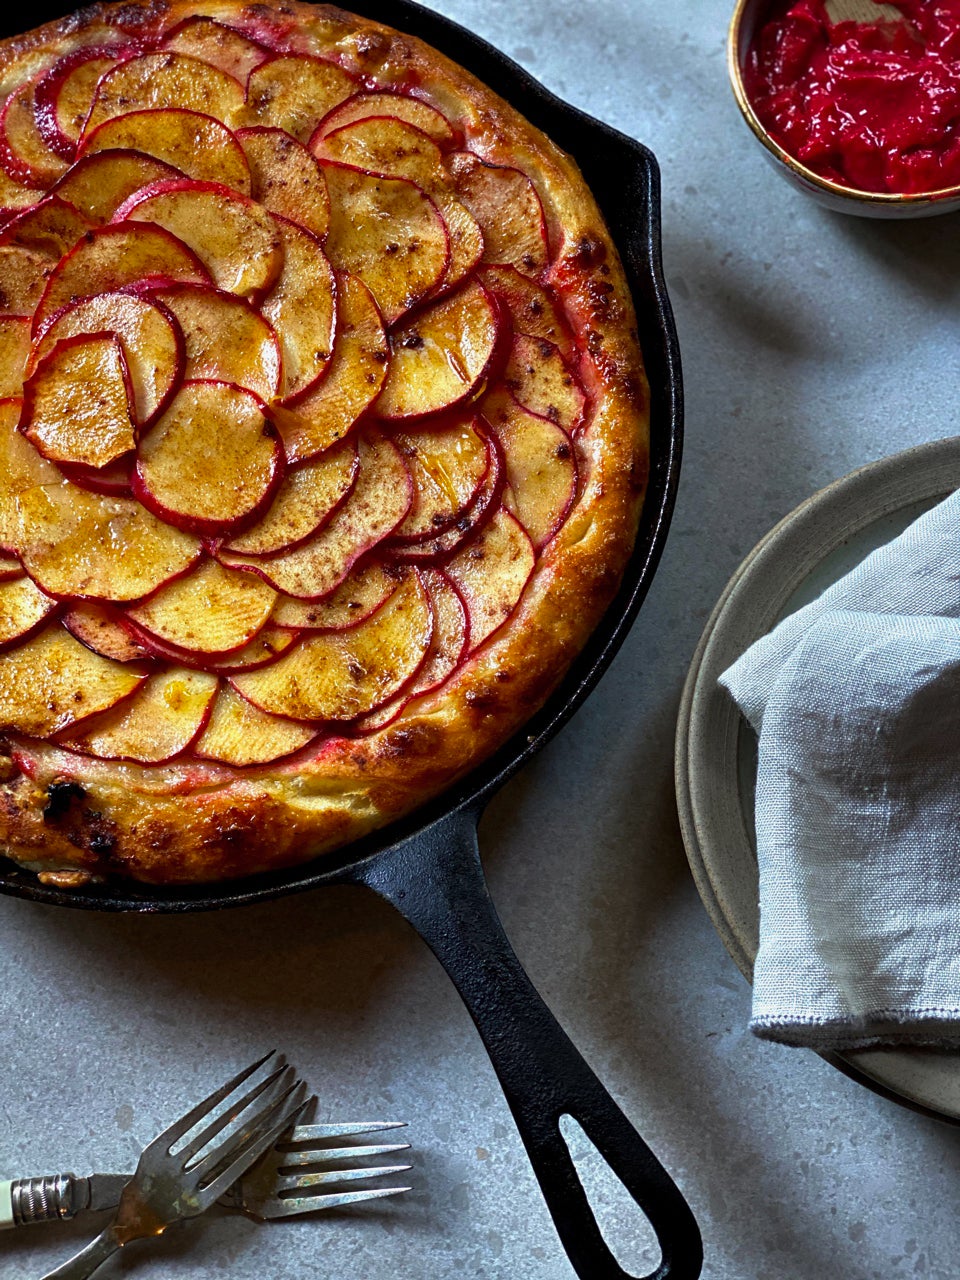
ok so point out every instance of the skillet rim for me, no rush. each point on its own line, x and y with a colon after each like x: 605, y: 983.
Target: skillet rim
x: 630, y: 204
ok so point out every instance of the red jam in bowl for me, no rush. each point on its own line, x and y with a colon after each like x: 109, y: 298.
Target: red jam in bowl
x: 874, y: 106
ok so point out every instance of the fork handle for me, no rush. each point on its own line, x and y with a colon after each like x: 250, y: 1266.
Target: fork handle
x: 24, y: 1201
x: 86, y: 1262
x: 435, y: 880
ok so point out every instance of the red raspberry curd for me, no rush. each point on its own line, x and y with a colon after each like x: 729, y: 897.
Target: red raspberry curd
x: 874, y: 106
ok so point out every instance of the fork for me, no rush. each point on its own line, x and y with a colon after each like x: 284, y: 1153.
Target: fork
x: 270, y: 1189
x: 170, y: 1185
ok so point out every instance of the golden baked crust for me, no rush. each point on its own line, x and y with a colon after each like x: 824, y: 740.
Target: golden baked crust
x: 192, y: 819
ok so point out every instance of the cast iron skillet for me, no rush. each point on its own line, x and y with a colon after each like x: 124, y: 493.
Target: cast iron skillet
x: 428, y: 866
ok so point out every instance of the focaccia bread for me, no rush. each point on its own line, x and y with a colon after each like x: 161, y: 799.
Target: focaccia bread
x: 323, y: 433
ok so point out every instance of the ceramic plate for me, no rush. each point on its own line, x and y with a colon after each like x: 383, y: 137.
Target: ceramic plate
x: 716, y: 748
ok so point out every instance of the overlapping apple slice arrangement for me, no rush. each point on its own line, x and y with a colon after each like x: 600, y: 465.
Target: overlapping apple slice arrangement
x: 289, y: 404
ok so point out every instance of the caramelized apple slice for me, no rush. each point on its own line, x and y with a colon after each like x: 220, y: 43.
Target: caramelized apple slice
x: 439, y: 548
x: 541, y: 466
x: 490, y: 574
x: 505, y: 203
x: 225, y: 339
x: 354, y: 377
x: 77, y: 403
x: 263, y: 649
x: 233, y: 237
x: 212, y: 461
x: 165, y: 715
x: 220, y: 45
x: 292, y: 92
x: 10, y: 567
x: 286, y: 178
x: 87, y: 546
x: 238, y: 734
x: 210, y: 611
x: 23, y: 152
x: 361, y: 592
x: 53, y: 681
x: 543, y: 383
x: 338, y: 675
x: 151, y: 341
x: 98, y: 185
x: 439, y: 358
x: 14, y: 351
x: 110, y: 258
x: 14, y: 196
x: 307, y: 499
x: 23, y: 610
x: 113, y: 480
x: 390, y: 233
x: 21, y: 467
x: 165, y: 80
x: 302, y: 309
x: 400, y: 106
x: 198, y: 145
x: 99, y: 628
x: 64, y: 93
x: 51, y: 227
x: 448, y: 466
x: 379, y: 501
x: 533, y: 309
x: 24, y: 275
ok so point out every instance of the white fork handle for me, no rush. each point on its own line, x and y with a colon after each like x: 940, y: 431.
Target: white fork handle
x: 86, y: 1262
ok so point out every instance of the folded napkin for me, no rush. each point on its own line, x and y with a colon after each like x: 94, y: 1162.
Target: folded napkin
x: 856, y: 700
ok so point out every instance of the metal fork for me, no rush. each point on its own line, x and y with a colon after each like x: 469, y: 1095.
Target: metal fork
x: 275, y: 1187
x: 170, y: 1185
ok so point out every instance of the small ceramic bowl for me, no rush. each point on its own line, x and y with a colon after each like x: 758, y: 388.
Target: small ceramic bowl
x: 748, y: 16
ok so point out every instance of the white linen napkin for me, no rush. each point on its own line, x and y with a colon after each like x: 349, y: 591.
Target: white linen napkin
x: 856, y: 700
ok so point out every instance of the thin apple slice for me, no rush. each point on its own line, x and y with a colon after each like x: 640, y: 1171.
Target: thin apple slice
x: 77, y: 403
x: 354, y: 377
x: 23, y: 610
x: 21, y: 467
x: 388, y: 232
x: 24, y: 276
x: 438, y: 549
x: 213, y: 610
x: 307, y: 499
x: 111, y: 258
x: 286, y: 178
x: 225, y: 339
x: 87, y: 546
x: 53, y: 681
x: 152, y: 344
x: 99, y: 628
x: 505, y: 203
x: 448, y: 465
x: 10, y: 567
x: 14, y: 352
x: 540, y: 379
x: 292, y: 92
x: 220, y: 45
x: 491, y: 572
x: 448, y: 647
x: 113, y: 480
x: 378, y: 502
x: 363, y: 590
x: 23, y: 152
x: 99, y: 184
x: 339, y: 675
x: 238, y: 733
x: 399, y: 105
x: 212, y: 461
x: 64, y: 93
x: 440, y: 357
x: 162, y: 719
x: 263, y: 649
x: 302, y: 309
x: 165, y: 80
x: 198, y: 145
x: 533, y: 309
x: 233, y: 237
x: 541, y: 466
x: 14, y: 196
x: 51, y: 227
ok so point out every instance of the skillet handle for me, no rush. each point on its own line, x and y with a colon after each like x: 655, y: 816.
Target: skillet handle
x: 436, y: 882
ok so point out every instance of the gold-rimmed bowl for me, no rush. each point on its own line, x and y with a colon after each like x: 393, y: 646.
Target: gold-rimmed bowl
x: 748, y: 16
